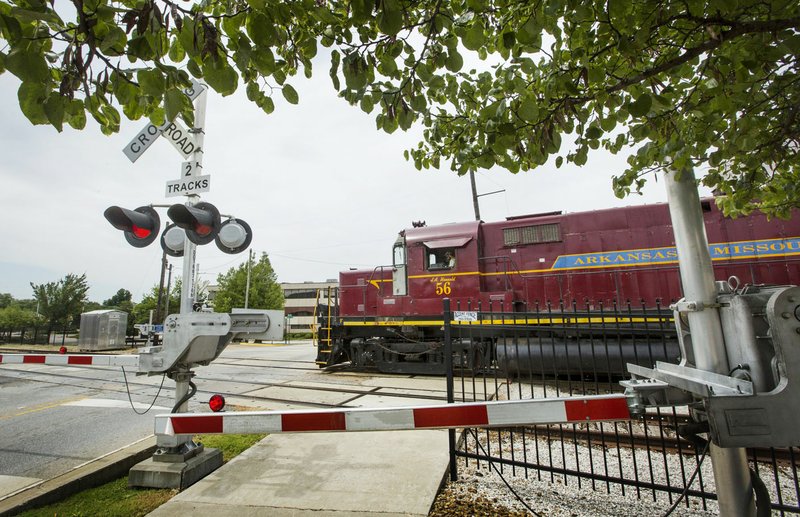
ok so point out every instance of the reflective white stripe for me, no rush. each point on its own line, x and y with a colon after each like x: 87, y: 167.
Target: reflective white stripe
x: 535, y: 411
x: 389, y: 419
x: 243, y: 423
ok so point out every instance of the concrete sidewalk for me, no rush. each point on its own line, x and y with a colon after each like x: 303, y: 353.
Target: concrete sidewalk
x: 387, y: 473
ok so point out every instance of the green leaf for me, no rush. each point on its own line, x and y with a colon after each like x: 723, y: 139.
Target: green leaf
x: 290, y: 94
x: 334, y: 71
x: 28, y: 65
x: 641, y: 106
x: 32, y: 96
x: 152, y: 82
x: 175, y: 102
x: 454, y: 61
x: 367, y: 104
x: 75, y: 114
x: 263, y: 60
x: 54, y: 109
x: 474, y: 38
x: 530, y: 33
x: 361, y: 10
x: 593, y: 132
x: 260, y: 29
x: 354, y: 69
x: 266, y: 104
x: 528, y: 109
x: 220, y: 76
x: 390, y: 17
x: 114, y: 42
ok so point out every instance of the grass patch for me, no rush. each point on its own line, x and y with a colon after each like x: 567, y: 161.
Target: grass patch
x: 230, y: 444
x: 115, y: 499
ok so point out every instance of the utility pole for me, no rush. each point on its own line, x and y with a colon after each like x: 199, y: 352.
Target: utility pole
x: 247, y: 285
x: 475, y: 195
x: 731, y: 471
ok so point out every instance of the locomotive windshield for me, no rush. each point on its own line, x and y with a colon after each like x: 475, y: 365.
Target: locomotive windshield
x: 399, y: 253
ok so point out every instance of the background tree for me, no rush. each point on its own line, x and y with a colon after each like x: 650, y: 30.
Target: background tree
x: 265, y: 293
x: 13, y: 318
x: 122, y: 300
x: 681, y: 83
x: 141, y: 311
x: 120, y: 297
x: 5, y: 300
x: 61, y: 302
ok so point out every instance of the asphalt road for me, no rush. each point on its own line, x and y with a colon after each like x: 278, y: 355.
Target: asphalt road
x: 53, y: 419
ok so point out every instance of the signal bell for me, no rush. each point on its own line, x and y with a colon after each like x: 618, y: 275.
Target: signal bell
x: 140, y: 225
x: 201, y: 221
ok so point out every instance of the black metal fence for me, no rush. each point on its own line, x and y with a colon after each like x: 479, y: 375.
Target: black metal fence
x: 558, y: 350
x: 42, y: 334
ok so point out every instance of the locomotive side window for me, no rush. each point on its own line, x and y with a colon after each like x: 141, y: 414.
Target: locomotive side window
x: 441, y: 258
x: 535, y: 234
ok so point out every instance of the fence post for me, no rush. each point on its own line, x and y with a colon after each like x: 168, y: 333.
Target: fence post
x: 448, y: 367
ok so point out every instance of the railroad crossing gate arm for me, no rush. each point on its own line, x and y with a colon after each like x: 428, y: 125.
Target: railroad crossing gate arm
x: 71, y: 360
x: 448, y: 416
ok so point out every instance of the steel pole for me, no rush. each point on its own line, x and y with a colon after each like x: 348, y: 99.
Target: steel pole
x: 731, y: 471
x: 189, y: 248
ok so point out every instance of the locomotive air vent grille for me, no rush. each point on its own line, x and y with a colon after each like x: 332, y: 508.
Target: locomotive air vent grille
x: 534, y: 234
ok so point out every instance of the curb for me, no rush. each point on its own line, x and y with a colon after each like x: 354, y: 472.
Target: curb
x: 94, y: 473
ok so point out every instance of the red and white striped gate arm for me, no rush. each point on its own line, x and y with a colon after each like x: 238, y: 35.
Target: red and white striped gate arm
x: 482, y: 414
x: 71, y: 359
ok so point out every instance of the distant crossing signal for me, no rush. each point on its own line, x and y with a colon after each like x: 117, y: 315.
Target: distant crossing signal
x: 201, y: 222
x: 140, y: 225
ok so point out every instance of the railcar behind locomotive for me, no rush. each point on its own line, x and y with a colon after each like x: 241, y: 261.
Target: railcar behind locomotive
x: 540, y: 278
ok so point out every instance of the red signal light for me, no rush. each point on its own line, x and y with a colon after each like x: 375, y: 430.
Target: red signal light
x: 202, y: 229
x: 62, y: 350
x: 140, y: 232
x: 216, y: 403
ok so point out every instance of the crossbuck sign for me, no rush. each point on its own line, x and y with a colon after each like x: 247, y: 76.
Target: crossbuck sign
x: 173, y: 131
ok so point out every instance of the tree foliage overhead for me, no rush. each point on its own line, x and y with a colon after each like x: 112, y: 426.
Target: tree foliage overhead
x: 695, y: 83
x: 264, y: 292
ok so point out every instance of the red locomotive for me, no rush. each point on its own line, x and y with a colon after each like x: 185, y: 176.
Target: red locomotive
x: 530, y: 269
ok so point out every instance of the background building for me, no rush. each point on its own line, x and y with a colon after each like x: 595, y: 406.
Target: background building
x: 300, y: 301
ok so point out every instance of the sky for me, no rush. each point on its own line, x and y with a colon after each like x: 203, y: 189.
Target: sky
x: 322, y: 189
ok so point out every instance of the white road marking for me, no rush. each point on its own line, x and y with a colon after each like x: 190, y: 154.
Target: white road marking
x: 111, y: 403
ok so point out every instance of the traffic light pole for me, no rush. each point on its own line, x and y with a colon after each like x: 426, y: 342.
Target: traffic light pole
x: 731, y: 471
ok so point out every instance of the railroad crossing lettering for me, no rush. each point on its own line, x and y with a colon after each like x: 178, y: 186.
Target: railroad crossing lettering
x: 145, y: 138
x: 180, y: 138
x: 188, y: 186
x: 142, y: 141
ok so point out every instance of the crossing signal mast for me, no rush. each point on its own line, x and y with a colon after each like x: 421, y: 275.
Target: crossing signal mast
x: 190, y: 338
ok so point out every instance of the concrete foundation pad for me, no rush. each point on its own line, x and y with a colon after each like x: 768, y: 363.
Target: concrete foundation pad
x: 323, y: 474
x: 180, y: 475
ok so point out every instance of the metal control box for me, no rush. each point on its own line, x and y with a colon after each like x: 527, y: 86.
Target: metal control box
x: 102, y: 330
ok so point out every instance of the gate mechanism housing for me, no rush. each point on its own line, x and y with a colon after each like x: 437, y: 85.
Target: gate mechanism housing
x: 756, y: 404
